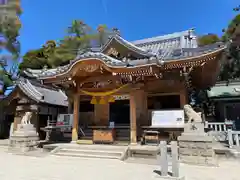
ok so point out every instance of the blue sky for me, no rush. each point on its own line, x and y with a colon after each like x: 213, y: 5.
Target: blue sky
x: 48, y: 19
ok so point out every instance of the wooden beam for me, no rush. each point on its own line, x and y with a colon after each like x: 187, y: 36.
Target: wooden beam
x: 104, y: 77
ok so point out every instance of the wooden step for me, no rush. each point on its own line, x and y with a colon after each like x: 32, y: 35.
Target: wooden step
x: 90, y: 151
x: 84, y: 141
x: 86, y: 155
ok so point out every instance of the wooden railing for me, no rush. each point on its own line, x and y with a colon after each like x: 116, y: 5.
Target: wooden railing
x: 219, y: 126
x: 233, y: 138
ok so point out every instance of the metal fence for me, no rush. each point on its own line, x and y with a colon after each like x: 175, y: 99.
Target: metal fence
x: 233, y: 138
x: 219, y: 126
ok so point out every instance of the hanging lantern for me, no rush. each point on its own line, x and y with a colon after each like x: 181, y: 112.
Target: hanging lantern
x: 94, y: 100
x: 102, y: 100
x: 111, y: 99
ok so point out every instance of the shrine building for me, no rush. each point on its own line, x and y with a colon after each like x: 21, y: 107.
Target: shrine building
x: 123, y: 82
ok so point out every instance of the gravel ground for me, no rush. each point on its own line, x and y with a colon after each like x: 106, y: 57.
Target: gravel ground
x: 17, y: 167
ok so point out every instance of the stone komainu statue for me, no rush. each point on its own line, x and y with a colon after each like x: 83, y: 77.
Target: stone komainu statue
x: 192, y: 115
x: 26, y: 118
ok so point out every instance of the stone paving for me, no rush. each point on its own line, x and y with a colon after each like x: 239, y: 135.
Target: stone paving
x: 16, y: 167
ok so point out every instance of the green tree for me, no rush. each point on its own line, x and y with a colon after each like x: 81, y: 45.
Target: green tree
x: 103, y: 34
x: 33, y: 59
x: 80, y: 37
x: 9, y: 32
x: 231, y: 66
x: 208, y: 39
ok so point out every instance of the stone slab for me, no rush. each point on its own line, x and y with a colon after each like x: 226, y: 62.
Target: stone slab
x: 195, y: 145
x: 200, y: 161
x: 195, y: 137
x: 196, y: 152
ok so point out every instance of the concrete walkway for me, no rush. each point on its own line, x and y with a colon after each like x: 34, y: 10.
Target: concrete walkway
x: 16, y: 167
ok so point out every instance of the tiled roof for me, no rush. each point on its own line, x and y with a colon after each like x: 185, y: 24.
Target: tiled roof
x: 160, y: 49
x: 177, y: 54
x: 222, y: 90
x: 88, y: 55
x: 42, y: 93
x: 166, y: 43
x: 127, y: 44
x: 191, y: 52
x: 107, y: 59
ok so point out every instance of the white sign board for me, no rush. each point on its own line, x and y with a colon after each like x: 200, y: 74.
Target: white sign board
x: 168, y: 119
x: 111, y: 124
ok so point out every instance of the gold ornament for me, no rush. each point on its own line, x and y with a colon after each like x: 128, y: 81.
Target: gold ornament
x: 94, y: 100
x: 102, y: 100
x: 108, y: 93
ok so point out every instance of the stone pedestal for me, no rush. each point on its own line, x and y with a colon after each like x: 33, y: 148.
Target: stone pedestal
x: 196, y: 146
x: 24, y: 138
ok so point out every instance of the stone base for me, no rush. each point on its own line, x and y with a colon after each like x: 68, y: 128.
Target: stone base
x: 197, y: 128
x: 24, y: 138
x: 203, y: 137
x: 171, y: 177
x: 196, y: 146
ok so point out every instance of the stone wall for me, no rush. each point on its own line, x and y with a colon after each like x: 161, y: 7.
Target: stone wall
x: 197, y: 152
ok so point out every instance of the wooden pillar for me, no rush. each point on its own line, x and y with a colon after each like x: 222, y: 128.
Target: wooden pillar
x: 143, y: 108
x: 133, y: 118
x: 183, y: 97
x: 76, y: 104
x: 70, y: 105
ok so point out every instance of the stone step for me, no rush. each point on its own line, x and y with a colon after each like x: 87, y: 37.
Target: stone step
x: 94, y: 151
x: 234, y: 153
x: 142, y: 161
x: 86, y: 155
x: 219, y: 136
x: 3, y: 148
x: 99, y: 147
x: 91, y: 152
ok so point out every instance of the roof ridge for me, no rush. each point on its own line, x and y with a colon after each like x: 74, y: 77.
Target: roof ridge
x: 127, y: 44
x: 130, y: 43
